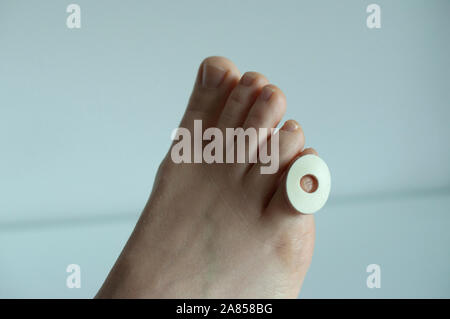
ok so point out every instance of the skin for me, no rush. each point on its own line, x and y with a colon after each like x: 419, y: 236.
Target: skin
x: 221, y: 230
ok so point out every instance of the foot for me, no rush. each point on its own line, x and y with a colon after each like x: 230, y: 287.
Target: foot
x: 221, y: 230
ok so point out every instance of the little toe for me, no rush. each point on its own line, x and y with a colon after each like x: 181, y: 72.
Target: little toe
x: 292, y: 233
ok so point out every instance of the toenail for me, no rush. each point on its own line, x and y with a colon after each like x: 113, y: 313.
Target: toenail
x: 212, y: 75
x: 290, y: 126
x: 266, y: 93
x: 247, y: 79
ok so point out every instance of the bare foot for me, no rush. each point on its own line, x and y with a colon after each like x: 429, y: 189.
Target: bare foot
x: 221, y: 230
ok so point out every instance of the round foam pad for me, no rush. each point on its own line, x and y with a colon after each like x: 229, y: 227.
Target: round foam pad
x: 302, y: 201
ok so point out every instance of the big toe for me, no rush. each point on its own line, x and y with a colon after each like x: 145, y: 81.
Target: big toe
x: 216, y: 78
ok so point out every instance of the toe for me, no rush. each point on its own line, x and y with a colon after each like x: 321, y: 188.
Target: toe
x: 265, y: 113
x: 279, y: 207
x: 279, y: 204
x: 216, y: 78
x: 268, y: 108
x: 293, y: 233
x: 241, y: 99
x: 291, y: 141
